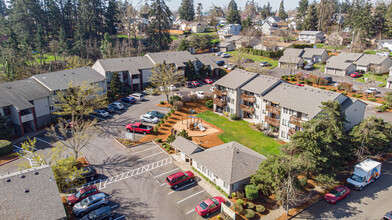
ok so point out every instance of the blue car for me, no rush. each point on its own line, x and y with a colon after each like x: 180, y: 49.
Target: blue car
x: 220, y: 63
x: 130, y: 100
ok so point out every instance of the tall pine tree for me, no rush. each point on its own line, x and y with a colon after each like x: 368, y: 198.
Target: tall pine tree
x: 187, y: 10
x: 232, y: 5
x: 282, y: 14
x: 158, y: 30
x: 111, y: 17
x: 301, y: 12
x: 310, y: 20
x: 379, y: 20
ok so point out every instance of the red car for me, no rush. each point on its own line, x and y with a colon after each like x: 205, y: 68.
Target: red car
x: 195, y: 83
x: 355, y: 74
x: 180, y: 178
x: 209, y: 206
x: 209, y: 81
x: 299, y: 84
x: 81, y: 194
x: 336, y: 194
x: 139, y: 127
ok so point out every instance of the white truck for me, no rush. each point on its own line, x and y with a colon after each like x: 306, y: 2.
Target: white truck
x: 364, y: 173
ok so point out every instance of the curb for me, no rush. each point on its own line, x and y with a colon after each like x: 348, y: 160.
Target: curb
x: 9, y: 161
x: 306, y: 208
x: 119, y: 143
x: 161, y: 148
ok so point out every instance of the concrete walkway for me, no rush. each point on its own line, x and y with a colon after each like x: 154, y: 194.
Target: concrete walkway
x: 203, y: 183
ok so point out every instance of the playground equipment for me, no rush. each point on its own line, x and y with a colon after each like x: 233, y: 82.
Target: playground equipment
x: 193, y: 123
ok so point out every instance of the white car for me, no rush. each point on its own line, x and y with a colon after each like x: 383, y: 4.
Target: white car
x: 171, y: 88
x: 227, y: 65
x: 138, y: 96
x: 219, y: 54
x: 200, y: 94
x: 117, y: 105
x: 101, y: 113
x: 225, y: 55
x: 371, y: 91
x: 149, y: 118
x: 232, y: 67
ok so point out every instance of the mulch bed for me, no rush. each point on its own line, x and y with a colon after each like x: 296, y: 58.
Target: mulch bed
x: 8, y: 158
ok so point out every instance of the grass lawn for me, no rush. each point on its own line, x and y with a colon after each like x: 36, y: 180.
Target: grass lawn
x: 174, y: 37
x: 241, y: 132
x: 320, y: 66
x: 47, y: 58
x: 382, y: 78
x: 256, y: 58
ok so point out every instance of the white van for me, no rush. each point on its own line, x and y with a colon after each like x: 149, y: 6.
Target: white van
x: 364, y: 173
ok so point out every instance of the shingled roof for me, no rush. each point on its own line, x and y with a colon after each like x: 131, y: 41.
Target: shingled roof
x: 368, y: 59
x: 186, y: 146
x: 132, y: 64
x: 179, y: 58
x: 261, y: 84
x: 236, y: 79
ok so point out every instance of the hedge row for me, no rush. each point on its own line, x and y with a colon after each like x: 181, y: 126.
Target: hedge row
x: 5, y: 147
x: 270, y: 54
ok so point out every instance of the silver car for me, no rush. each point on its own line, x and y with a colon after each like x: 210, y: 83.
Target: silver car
x: 101, y: 113
x: 89, y: 204
x: 138, y: 96
x: 149, y: 118
x: 117, y: 105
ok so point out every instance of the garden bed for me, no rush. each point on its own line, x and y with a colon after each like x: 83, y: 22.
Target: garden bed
x: 8, y: 158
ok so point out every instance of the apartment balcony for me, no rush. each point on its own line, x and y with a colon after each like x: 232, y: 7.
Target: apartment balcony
x: 292, y: 131
x: 248, y: 98
x: 248, y: 109
x: 272, y: 121
x: 294, y: 120
x: 273, y: 110
x: 219, y: 102
x: 219, y: 92
x: 27, y: 117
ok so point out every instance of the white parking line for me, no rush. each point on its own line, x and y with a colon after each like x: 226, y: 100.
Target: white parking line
x: 59, y: 137
x: 43, y: 141
x: 189, y: 197
x: 166, y: 172
x: 115, y: 206
x: 163, y: 184
x: 150, y: 156
x: 190, y: 211
x: 143, y: 150
x: 181, y: 188
x: 119, y: 217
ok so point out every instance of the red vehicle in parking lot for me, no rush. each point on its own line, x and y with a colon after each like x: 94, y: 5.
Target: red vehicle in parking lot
x: 179, y: 178
x: 209, y: 206
x: 195, y: 83
x: 209, y: 81
x: 355, y: 74
x: 139, y: 127
x: 299, y: 84
x: 336, y: 194
x: 81, y: 194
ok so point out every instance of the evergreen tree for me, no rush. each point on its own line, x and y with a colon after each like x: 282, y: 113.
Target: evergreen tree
x: 246, y: 23
x: 199, y: 11
x: 158, y: 30
x: 232, y: 5
x: 107, y: 46
x: 190, y: 72
x: 116, y: 85
x: 344, y: 6
x: 282, y: 14
x: 301, y: 12
x: 6, y: 131
x: 379, y: 20
x: 3, y: 8
x: 266, y: 11
x: 184, y: 45
x: 187, y: 10
x: 111, y: 17
x: 310, y: 21
x: 234, y: 17
x: 326, y: 10
x: 145, y: 10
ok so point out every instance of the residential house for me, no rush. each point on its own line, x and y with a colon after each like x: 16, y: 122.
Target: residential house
x: 342, y: 64
x: 291, y: 58
x: 270, y: 43
x: 60, y: 81
x: 389, y: 83
x: 226, y: 46
x: 239, y: 41
x: 311, y: 37
x: 229, y: 30
x: 184, y: 26
x: 384, y: 44
x: 317, y: 55
x: 280, y: 107
x: 341, y: 39
x: 227, y: 91
x: 273, y: 19
x: 228, y: 166
x: 292, y: 25
x: 374, y: 63
x: 31, y: 194
x: 198, y: 27
x: 25, y: 104
x: 209, y: 62
x: 267, y: 28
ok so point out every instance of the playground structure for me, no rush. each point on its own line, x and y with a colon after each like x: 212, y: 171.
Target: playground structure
x: 194, y: 123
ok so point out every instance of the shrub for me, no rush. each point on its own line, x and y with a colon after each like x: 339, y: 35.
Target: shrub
x: 344, y: 93
x: 172, y: 110
x: 162, y: 121
x: 226, y: 114
x: 372, y: 99
x: 240, y: 195
x: 234, y: 116
x: 209, y: 104
x: 5, y: 147
x: 168, y: 114
x: 301, y: 182
x: 250, y: 205
x: 292, y: 79
x: 359, y: 96
x: 286, y: 78
x: 308, y: 81
x: 171, y: 101
x: 159, y: 140
x: 158, y: 125
x: 238, y: 208
x: 165, y: 117
x: 162, y: 102
x: 240, y: 202
x: 249, y: 213
x: 217, y: 187
x: 156, y: 129
x: 251, y: 192
x: 302, y: 82
x: 354, y: 95
x: 193, y: 97
x: 382, y: 108
x: 282, y: 76
x: 178, y: 105
x: 171, y: 138
x: 333, y: 90
x: 233, y: 194
x: 322, y: 87
x: 260, y: 209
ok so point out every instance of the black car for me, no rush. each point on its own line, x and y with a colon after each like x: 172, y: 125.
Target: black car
x: 220, y: 63
x: 89, y: 173
x: 328, y: 78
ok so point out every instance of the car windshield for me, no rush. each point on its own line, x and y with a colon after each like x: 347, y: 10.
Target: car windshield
x: 84, y: 202
x: 356, y: 178
x: 334, y: 192
x: 77, y: 195
x: 215, y: 201
x: 168, y: 180
x: 203, y: 205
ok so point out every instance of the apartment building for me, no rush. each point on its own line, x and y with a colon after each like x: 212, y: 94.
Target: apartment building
x: 311, y: 37
x: 281, y: 107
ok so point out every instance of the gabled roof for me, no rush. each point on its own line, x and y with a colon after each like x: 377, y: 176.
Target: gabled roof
x: 291, y: 55
x: 368, y: 59
x: 60, y: 80
x: 352, y: 57
x: 338, y: 64
x: 207, y: 60
x: 30, y: 194
x: 261, y: 84
x: 179, y: 58
x: 389, y: 79
x: 225, y: 44
x: 20, y: 93
x: 231, y: 162
x: 311, y: 52
x: 186, y: 146
x: 302, y: 99
x: 311, y: 33
x: 131, y: 64
x: 236, y: 78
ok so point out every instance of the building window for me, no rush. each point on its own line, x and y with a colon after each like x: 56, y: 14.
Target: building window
x: 282, y: 134
x: 198, y: 166
x: 136, y: 76
x: 203, y: 169
x: 225, y: 185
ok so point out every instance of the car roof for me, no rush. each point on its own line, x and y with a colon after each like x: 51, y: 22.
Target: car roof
x: 176, y: 175
x: 340, y: 188
x: 97, y: 196
x: 88, y: 188
x: 208, y: 202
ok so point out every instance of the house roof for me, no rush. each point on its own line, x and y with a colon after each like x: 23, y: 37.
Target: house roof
x: 338, y: 64
x: 31, y: 194
x: 302, y: 99
x: 131, y: 64
x: 235, y: 78
x: 342, y: 61
x: 60, y: 80
x: 291, y: 55
x: 367, y: 59
x: 311, y: 52
x: 231, y: 162
x: 349, y: 56
x: 186, y: 146
x: 20, y: 93
x: 179, y: 58
x: 225, y: 44
x: 207, y: 60
x: 311, y: 33
x: 261, y: 84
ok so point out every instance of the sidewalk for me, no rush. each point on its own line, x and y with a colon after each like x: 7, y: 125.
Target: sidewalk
x: 29, y: 135
x: 203, y: 183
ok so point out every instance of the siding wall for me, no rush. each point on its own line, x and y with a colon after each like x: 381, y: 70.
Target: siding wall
x: 219, y: 182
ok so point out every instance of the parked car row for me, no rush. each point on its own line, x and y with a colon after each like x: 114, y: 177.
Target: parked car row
x: 221, y: 54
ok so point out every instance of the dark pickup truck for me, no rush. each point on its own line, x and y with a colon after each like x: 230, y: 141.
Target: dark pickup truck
x: 138, y: 127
